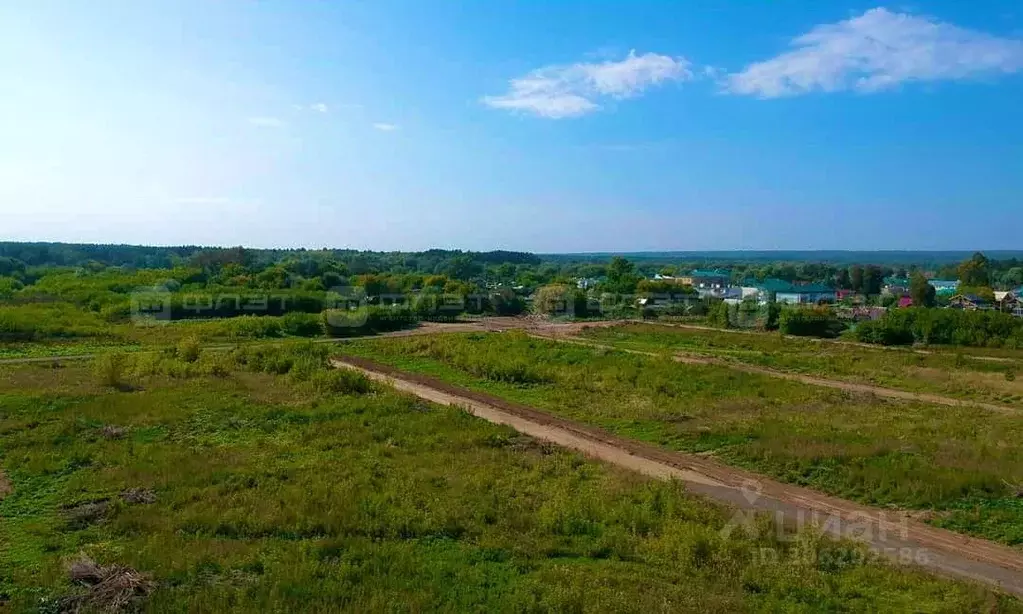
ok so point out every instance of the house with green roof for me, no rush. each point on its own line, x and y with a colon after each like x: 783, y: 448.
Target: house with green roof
x: 944, y: 287
x: 706, y: 280
x: 808, y: 294
x: 785, y: 292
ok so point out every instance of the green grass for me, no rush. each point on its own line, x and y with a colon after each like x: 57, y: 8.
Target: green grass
x: 939, y: 372
x: 956, y: 461
x: 282, y: 486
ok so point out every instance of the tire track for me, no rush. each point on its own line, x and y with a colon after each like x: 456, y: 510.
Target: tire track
x: 892, y: 534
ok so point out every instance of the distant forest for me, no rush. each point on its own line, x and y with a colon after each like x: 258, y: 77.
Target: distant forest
x: 25, y: 261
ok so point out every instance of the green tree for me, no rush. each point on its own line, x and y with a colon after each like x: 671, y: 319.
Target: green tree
x: 856, y: 278
x: 873, y: 279
x: 842, y: 279
x: 621, y: 276
x: 921, y: 291
x: 975, y: 271
x: 554, y: 299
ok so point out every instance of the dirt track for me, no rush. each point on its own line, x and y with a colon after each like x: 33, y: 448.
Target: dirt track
x: 890, y: 393
x: 889, y: 533
x: 567, y: 331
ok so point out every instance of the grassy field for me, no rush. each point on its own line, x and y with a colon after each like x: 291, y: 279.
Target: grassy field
x: 940, y: 372
x: 960, y: 467
x: 262, y: 481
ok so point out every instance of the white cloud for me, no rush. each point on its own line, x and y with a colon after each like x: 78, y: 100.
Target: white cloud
x: 385, y: 127
x: 319, y: 107
x: 267, y: 122
x: 575, y: 89
x: 877, y: 50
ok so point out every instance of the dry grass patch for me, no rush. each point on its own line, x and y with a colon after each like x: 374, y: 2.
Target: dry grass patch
x: 110, y: 588
x: 6, y: 487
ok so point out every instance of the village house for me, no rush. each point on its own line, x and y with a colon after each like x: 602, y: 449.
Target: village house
x: 968, y: 302
x: 1010, y: 302
x: 896, y: 286
x: 944, y: 287
x: 785, y: 292
x: 806, y: 294
x: 705, y: 280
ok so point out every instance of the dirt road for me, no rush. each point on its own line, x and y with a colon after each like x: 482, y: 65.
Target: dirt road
x: 892, y: 534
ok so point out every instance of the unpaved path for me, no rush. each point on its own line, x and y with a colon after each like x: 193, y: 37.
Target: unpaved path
x: 880, y: 391
x: 889, y: 533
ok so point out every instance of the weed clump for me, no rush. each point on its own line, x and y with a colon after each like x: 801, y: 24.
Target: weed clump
x: 82, y: 516
x: 109, y: 370
x: 188, y: 349
x: 341, y: 381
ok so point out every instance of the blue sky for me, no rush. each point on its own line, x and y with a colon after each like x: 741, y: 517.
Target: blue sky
x: 543, y: 126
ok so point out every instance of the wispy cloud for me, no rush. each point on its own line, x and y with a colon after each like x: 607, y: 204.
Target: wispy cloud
x: 875, y: 51
x: 319, y: 107
x: 386, y: 127
x: 267, y: 122
x: 575, y: 89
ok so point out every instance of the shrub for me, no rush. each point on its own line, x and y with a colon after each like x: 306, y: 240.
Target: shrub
x: 719, y: 315
x: 341, y: 381
x: 301, y: 325
x: 943, y: 326
x: 810, y: 322
x: 109, y: 370
x: 367, y: 319
x: 880, y: 332
x: 252, y: 327
x: 188, y: 349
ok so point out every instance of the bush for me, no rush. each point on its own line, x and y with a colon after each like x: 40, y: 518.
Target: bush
x: 367, y: 319
x: 341, y: 381
x: 718, y: 315
x: 943, y: 327
x: 810, y: 322
x: 109, y: 370
x: 880, y: 332
x: 189, y: 349
x: 252, y: 327
x: 301, y: 325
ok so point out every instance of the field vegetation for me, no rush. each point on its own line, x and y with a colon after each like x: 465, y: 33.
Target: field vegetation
x: 260, y: 480
x: 959, y: 467
x: 954, y: 374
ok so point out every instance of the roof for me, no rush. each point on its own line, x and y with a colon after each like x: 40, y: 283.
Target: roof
x: 768, y: 285
x: 706, y: 273
x: 944, y: 282
x: 896, y: 281
x: 732, y: 293
x: 906, y: 301
x: 809, y: 289
x: 973, y: 298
